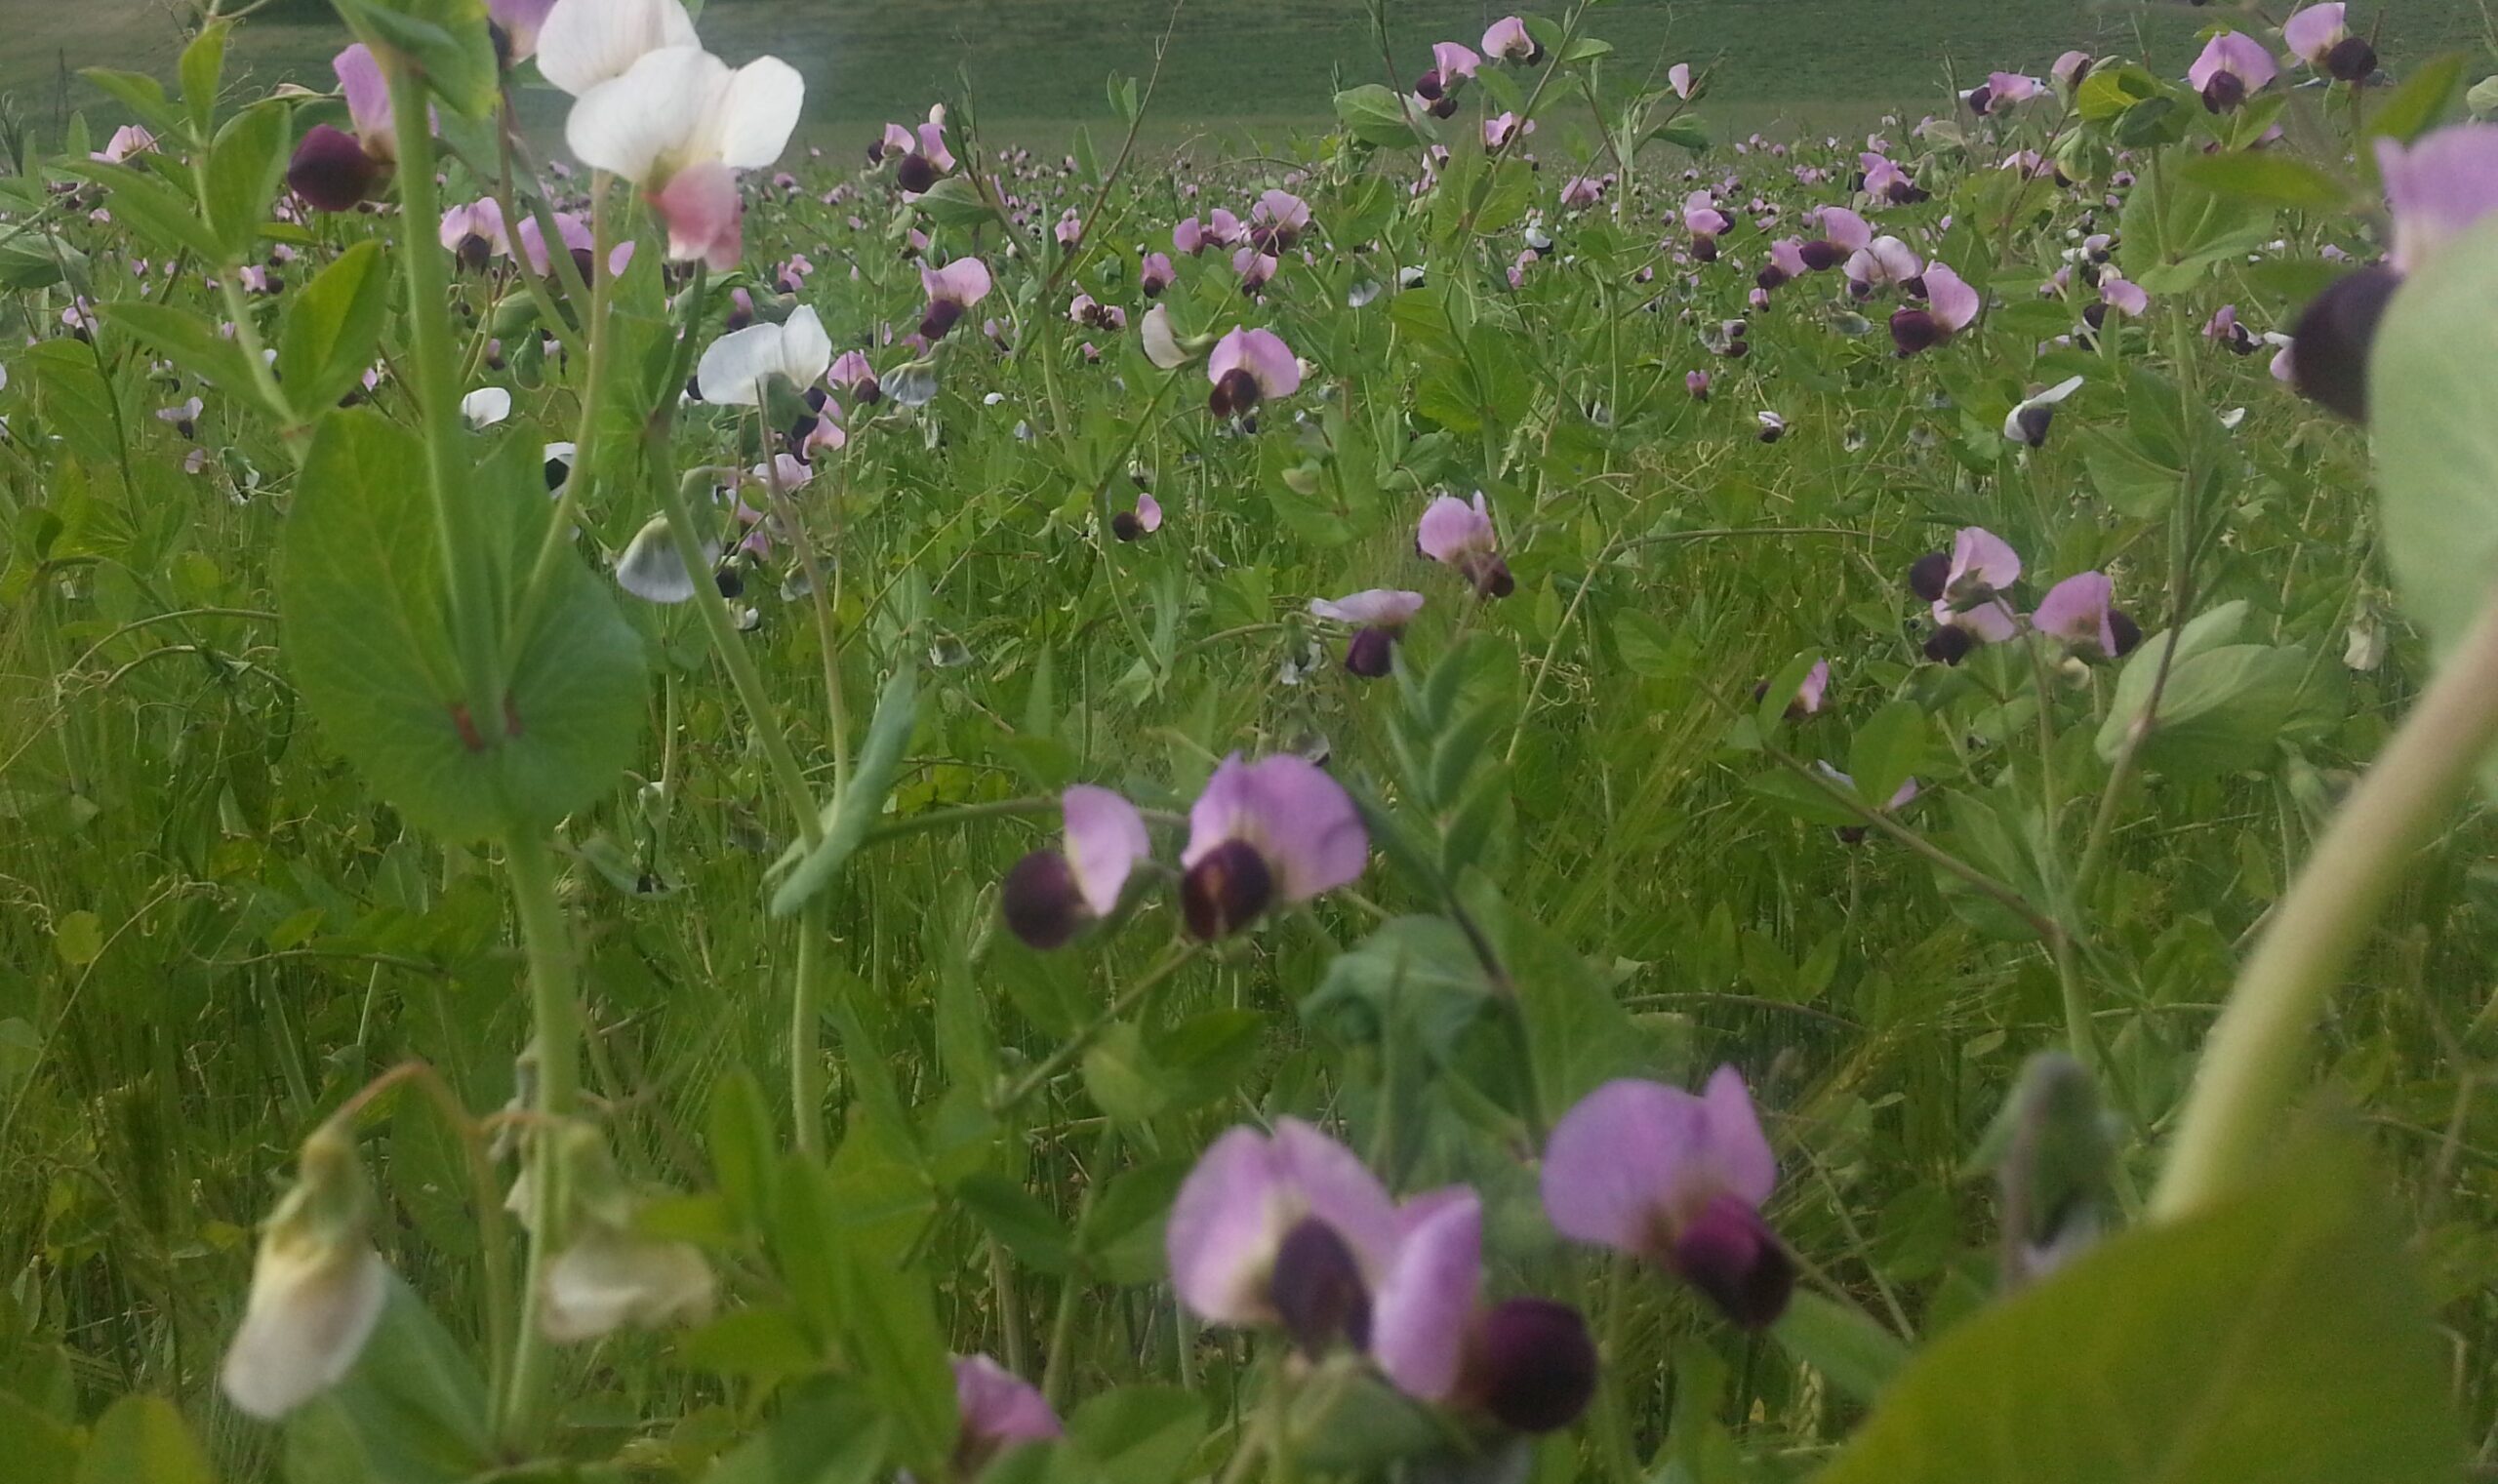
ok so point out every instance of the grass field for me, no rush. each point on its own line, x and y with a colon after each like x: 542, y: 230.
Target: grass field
x: 1038, y: 62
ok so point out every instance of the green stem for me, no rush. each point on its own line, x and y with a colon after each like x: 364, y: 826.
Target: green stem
x: 2258, y: 1050
x: 438, y: 393
x: 806, y: 1025
x: 1075, y: 1045
x: 555, y: 1017
x: 722, y: 630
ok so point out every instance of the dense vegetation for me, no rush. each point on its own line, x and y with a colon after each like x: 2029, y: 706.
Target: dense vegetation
x: 1476, y: 802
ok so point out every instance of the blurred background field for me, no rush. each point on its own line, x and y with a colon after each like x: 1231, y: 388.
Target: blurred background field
x: 1036, y: 66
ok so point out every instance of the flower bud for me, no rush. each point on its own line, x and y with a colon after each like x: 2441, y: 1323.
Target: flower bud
x: 317, y: 1286
x: 1729, y: 1254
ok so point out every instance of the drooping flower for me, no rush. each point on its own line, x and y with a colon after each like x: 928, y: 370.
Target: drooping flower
x: 1155, y: 275
x: 319, y: 1285
x: 1278, y: 830
x: 952, y: 290
x: 1452, y: 63
x: 2080, y: 611
x: 1655, y: 1172
x: 485, y: 406
x: 2070, y: 68
x: 1249, y: 366
x: 1965, y: 591
x: 2232, y: 64
x: 1278, y: 220
x: 737, y: 369
x: 1678, y: 77
x: 1377, y: 617
x: 1051, y: 895
x: 680, y: 123
x: 1459, y: 535
x: 2030, y: 418
x: 998, y: 1410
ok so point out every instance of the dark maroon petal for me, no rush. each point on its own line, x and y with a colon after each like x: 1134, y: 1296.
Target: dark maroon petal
x: 2129, y: 634
x: 331, y: 170
x: 1728, y: 1253
x: 1927, y: 575
x: 2226, y: 90
x: 2329, y: 344
x: 1533, y: 1365
x: 915, y: 173
x: 1822, y: 255
x: 2350, y: 60
x: 1040, y: 899
x: 942, y: 315
x: 1371, y: 653
x: 1948, y: 644
x: 1317, y: 1288
x: 1126, y: 527
x: 1225, y: 889
x: 1234, y: 393
x: 1915, y: 330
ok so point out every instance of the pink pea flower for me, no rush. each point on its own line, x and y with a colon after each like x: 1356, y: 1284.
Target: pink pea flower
x: 1257, y: 269
x: 1965, y: 590
x: 1809, y: 692
x: 1377, y: 617
x: 474, y: 234
x: 2317, y: 36
x: 853, y: 375
x: 1949, y: 305
x: 2070, y: 68
x: 183, y: 416
x: 1278, y: 220
x: 1678, y: 77
x: 1155, y: 275
x: 1655, y: 1172
x: 1509, y: 40
x: 951, y: 291
x: 1881, y: 263
x: 1580, y: 192
x: 1000, y: 1411
x: 1050, y: 896
x: 2080, y: 611
x: 127, y: 140
x: 1498, y: 129
x: 2232, y: 64
x: 1140, y: 522
x: 1696, y: 382
x: 333, y: 169
x: 1276, y: 832
x: 1456, y: 534
x: 1249, y: 366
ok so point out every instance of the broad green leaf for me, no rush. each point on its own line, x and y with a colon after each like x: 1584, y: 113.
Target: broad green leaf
x: 2433, y: 412
x: 955, y: 202
x: 1375, y: 114
x: 2266, y: 175
x: 2172, y: 238
x: 39, y: 1450
x: 142, y: 1440
x: 361, y: 592
x: 168, y: 217
x: 1018, y: 1220
x: 413, y: 1410
x: 332, y: 326
x: 2421, y: 99
x: 1857, y: 1356
x: 244, y: 169
x: 186, y: 339
x: 826, y: 1433
x: 202, y: 68
x: 446, y: 41
x: 1887, y: 749
x: 1414, y: 977
x: 1689, y: 130
x: 138, y: 92
x: 1137, y: 1434
x: 847, y: 818
x: 2281, y: 1336
x: 740, y: 1139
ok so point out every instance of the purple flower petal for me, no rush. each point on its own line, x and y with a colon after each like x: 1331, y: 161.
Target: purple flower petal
x: 1387, y: 607
x: 1105, y: 841
x: 1426, y: 1298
